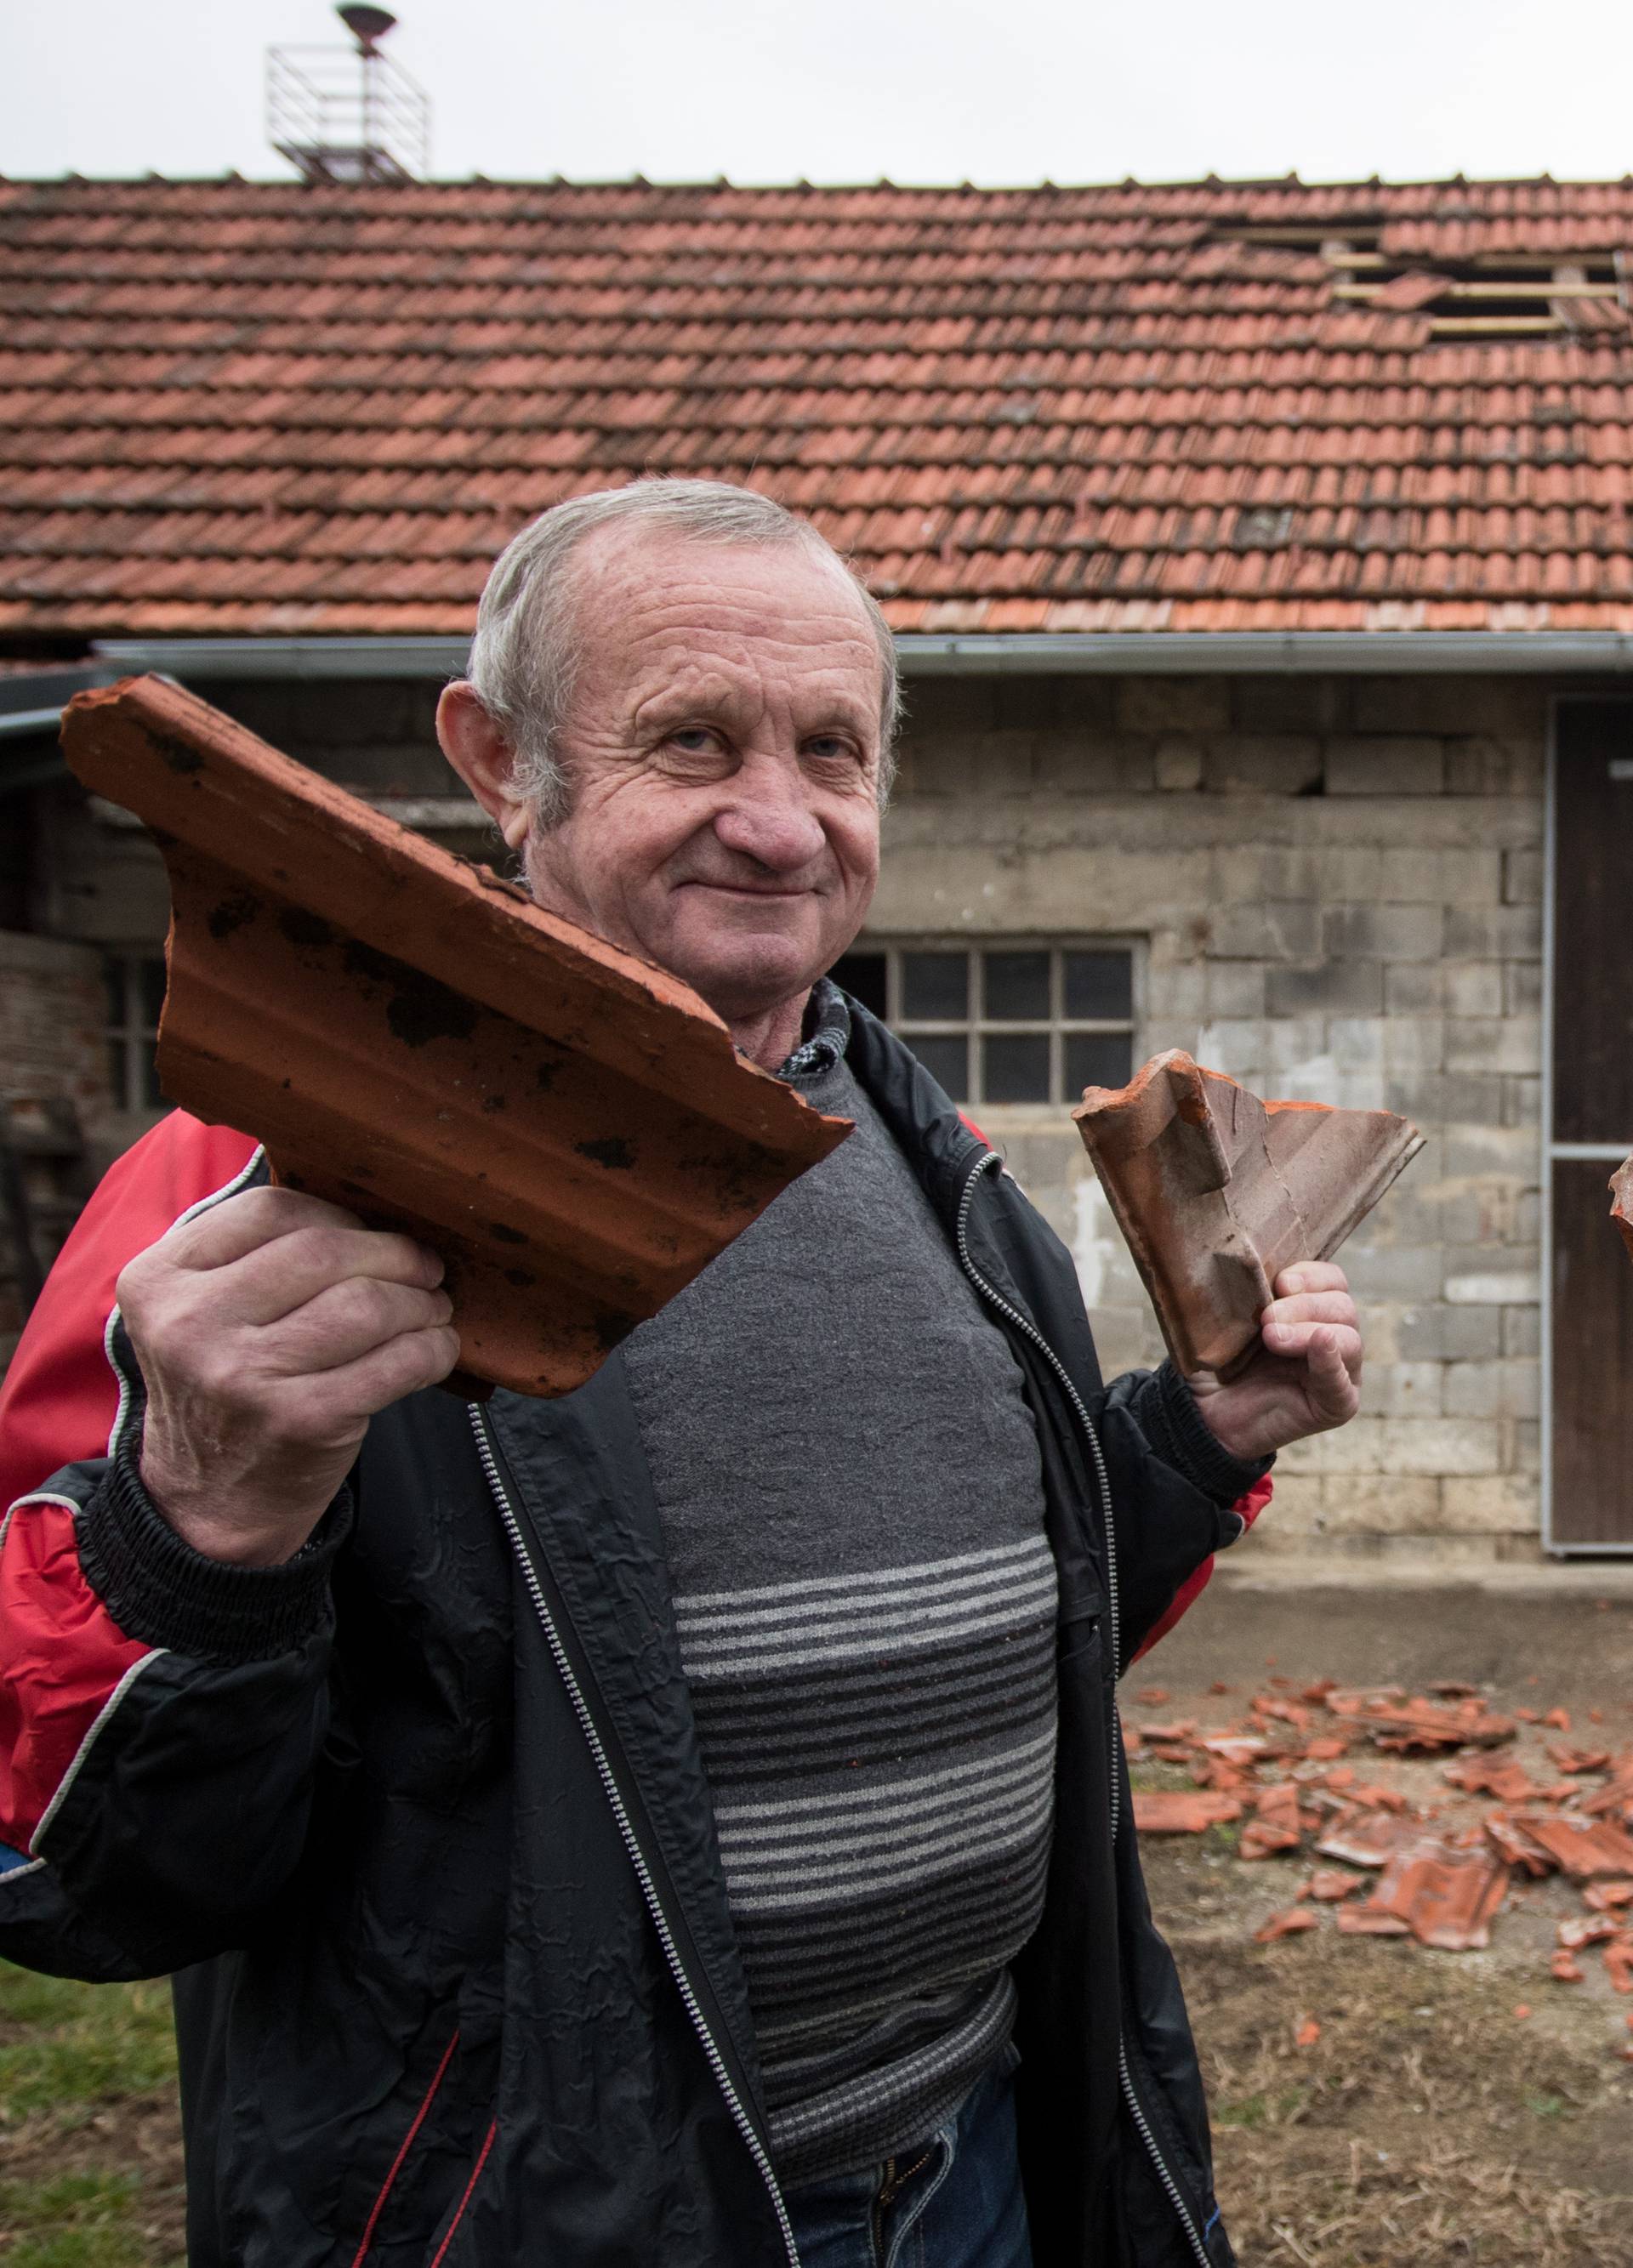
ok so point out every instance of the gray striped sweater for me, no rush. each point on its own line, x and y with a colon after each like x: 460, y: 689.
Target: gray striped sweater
x: 848, y: 1478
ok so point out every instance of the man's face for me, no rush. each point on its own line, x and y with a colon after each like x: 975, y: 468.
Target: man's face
x: 722, y: 747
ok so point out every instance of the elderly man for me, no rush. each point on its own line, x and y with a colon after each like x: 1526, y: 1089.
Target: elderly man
x: 683, y: 1825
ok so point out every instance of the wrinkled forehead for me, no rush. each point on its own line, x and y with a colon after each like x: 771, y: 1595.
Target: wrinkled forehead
x: 650, y: 605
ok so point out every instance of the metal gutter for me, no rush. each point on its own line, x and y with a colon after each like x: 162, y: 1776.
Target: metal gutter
x: 924, y: 654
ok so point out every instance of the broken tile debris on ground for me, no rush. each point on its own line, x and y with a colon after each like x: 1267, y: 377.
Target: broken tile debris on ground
x: 1436, y: 1865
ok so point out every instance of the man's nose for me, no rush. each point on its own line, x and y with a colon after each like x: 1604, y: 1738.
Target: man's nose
x: 768, y: 819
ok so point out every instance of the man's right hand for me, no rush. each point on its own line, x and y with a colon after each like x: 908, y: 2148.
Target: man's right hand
x: 269, y: 1330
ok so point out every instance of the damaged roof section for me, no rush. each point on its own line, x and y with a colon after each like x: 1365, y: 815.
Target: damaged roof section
x: 413, y: 1039
x: 1217, y: 1192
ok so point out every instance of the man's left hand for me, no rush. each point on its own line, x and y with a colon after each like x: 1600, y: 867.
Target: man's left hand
x: 1305, y: 1377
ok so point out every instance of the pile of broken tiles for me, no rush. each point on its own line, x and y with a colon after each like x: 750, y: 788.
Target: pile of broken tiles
x: 1304, y: 1772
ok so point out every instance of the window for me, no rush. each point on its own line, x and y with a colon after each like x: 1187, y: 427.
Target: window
x: 1019, y: 1022
x: 136, y: 994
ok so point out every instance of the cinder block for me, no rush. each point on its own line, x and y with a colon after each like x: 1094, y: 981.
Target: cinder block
x: 1385, y: 765
x: 1179, y: 991
x: 1096, y: 764
x: 1388, y: 932
x: 1522, y: 1333
x: 1264, y: 932
x: 1379, y: 1504
x: 1493, y: 1504
x: 1299, y: 1044
x: 1445, y: 704
x: 1245, y: 764
x: 1510, y: 1152
x: 1337, y: 988
x: 1236, y: 989
x: 1522, y: 988
x: 1446, y: 1098
x: 1173, y: 705
x: 1472, y: 987
x: 1254, y: 873
x: 1414, y: 988
x: 1295, y: 1507
x: 1426, y: 1447
x: 1277, y: 704
x: 1357, y: 1041
x: 1494, y: 932
x: 1495, y: 1043
x: 1522, y: 878
x: 1435, y: 1332
x: 1490, y: 765
x: 1415, y: 1042
x: 1404, y: 1389
x: 1178, y: 767
x: 1409, y: 1273
x: 1512, y: 1287
x: 1522, y: 1102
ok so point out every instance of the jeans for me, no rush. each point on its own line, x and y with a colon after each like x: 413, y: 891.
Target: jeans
x: 953, y: 2202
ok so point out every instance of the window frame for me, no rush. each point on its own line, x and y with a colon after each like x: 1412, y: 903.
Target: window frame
x: 978, y: 1026
x: 132, y: 1041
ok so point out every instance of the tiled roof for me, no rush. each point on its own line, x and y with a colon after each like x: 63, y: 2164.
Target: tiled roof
x: 263, y: 409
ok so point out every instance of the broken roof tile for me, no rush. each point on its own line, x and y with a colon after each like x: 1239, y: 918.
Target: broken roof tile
x: 1177, y: 1811
x: 1621, y: 1200
x: 413, y: 1039
x: 1369, y: 1838
x: 1579, y: 1845
x: 1216, y: 1192
x: 1291, y: 1922
x: 1446, y: 1896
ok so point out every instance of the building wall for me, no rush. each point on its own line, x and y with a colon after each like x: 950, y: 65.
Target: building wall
x: 1338, y: 883
x: 51, y: 1049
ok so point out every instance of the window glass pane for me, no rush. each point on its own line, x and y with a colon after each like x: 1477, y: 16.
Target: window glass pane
x: 948, y: 1062
x: 862, y: 975
x: 1097, y: 1059
x: 153, y: 992
x: 1016, y: 986
x: 114, y: 985
x: 1099, y: 985
x: 935, y: 987
x: 151, y: 1094
x: 1016, y: 1068
x: 116, y: 1072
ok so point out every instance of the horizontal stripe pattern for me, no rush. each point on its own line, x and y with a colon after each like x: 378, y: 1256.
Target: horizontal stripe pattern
x: 880, y: 1745
x: 850, y: 1485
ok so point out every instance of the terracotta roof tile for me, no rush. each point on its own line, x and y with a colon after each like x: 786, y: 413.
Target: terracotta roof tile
x: 243, y: 408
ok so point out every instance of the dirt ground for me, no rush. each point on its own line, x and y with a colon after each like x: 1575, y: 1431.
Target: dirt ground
x: 1429, y: 2122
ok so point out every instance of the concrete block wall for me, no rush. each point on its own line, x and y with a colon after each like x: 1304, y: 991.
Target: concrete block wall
x: 51, y: 1046
x: 1335, y: 890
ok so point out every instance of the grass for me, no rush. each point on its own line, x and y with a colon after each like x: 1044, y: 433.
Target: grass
x: 89, y: 2171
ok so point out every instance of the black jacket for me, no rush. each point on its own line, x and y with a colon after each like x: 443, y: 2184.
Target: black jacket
x: 421, y: 1822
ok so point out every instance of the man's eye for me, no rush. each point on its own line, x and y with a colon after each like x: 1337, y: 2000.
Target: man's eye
x: 693, y: 739
x: 828, y: 748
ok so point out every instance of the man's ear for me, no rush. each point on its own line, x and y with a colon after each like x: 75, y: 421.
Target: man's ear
x: 483, y: 757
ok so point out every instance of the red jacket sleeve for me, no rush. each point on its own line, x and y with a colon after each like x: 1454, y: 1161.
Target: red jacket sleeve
x: 1250, y: 1507
x: 66, y: 1661
x: 59, y: 1396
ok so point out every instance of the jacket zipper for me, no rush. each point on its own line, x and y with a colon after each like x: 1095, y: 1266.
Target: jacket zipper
x: 620, y: 1812
x: 1030, y: 1330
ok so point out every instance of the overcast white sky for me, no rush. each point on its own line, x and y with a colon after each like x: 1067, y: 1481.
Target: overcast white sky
x: 994, y: 90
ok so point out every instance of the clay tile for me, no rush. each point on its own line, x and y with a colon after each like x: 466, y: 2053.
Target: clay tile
x: 1619, y: 1963
x: 413, y: 1039
x: 1581, y: 1846
x: 1275, y: 1826
x: 1330, y: 1884
x: 1564, y: 1970
x: 1217, y: 1192
x: 1621, y: 1207
x: 1447, y: 1897
x: 1568, y: 1759
x: 1578, y: 1930
x: 1608, y: 1898
x: 1507, y: 1780
x: 1368, y: 1839
x: 1290, y: 1923
x: 1512, y: 1844
x: 1370, y: 1921
x: 1175, y: 1811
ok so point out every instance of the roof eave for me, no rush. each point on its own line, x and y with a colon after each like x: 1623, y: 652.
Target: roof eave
x: 959, y: 654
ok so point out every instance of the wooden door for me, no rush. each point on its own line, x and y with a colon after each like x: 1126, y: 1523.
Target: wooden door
x: 1591, y: 1291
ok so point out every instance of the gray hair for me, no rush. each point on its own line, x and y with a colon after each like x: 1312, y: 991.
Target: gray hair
x: 525, y: 653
